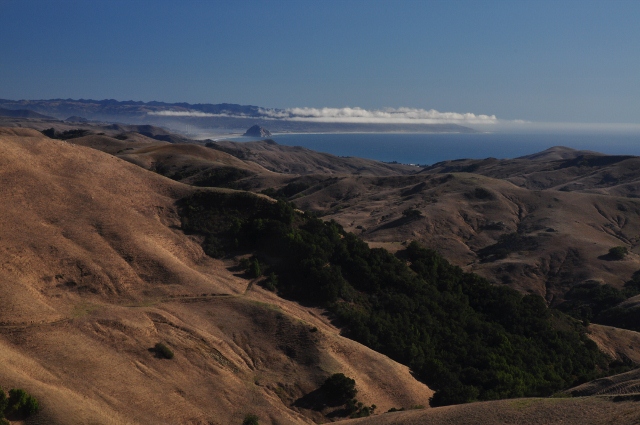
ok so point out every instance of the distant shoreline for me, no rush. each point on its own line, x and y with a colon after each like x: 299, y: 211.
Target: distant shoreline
x: 431, y: 148
x: 320, y: 133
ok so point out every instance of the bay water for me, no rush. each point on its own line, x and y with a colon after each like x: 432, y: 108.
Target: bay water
x: 427, y: 149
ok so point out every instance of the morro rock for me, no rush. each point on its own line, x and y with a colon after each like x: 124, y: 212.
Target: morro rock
x: 257, y: 131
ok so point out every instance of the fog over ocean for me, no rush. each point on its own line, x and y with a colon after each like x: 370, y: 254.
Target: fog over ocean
x: 411, y: 148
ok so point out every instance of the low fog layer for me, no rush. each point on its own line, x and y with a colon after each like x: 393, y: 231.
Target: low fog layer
x: 352, y: 115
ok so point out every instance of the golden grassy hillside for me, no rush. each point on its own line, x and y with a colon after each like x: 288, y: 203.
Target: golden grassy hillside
x: 94, y: 271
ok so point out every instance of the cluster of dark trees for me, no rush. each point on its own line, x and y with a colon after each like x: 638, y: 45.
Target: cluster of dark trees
x: 65, y: 135
x: 221, y: 177
x: 17, y: 405
x: 465, y: 338
x: 340, y: 390
x: 593, y: 302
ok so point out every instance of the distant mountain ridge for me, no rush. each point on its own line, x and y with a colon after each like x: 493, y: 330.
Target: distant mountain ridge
x: 22, y: 113
x: 111, y: 108
x: 229, y: 116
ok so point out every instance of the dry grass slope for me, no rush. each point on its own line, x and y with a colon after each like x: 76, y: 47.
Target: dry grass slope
x: 94, y: 271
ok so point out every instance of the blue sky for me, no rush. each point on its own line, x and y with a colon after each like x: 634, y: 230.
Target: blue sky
x: 543, y: 61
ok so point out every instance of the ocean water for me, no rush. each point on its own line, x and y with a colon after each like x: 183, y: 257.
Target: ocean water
x: 427, y: 149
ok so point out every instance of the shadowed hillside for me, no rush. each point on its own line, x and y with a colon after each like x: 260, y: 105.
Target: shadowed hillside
x: 553, y: 411
x: 539, y: 241
x: 299, y: 160
x: 557, y: 168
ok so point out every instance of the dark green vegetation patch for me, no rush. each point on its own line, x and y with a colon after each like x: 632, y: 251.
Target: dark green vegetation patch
x: 251, y: 419
x: 465, y: 338
x: 65, y: 135
x: 18, y: 406
x: 593, y: 302
x: 338, y: 392
x: 162, y: 351
x: 221, y: 177
x: 618, y: 252
x: 339, y: 388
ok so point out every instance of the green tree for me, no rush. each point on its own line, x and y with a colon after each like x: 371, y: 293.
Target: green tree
x: 250, y: 419
x: 21, y: 403
x: 254, y: 268
x: 4, y: 401
x: 339, y: 389
x: 163, y: 351
x: 618, y: 252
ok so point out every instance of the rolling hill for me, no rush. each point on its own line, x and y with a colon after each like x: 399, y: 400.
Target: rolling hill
x: 95, y: 272
x: 97, y: 269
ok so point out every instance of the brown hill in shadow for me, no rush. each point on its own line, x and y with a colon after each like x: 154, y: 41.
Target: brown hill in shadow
x: 299, y: 160
x: 557, y: 168
x: 466, y: 216
x: 624, y: 384
x: 552, y: 411
x: 22, y: 113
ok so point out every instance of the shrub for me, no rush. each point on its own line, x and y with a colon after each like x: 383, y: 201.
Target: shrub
x: 163, y: 351
x: 363, y: 411
x: 254, y: 268
x: 21, y: 403
x: 271, y: 283
x: 49, y: 132
x: 412, y: 213
x: 618, y: 252
x: 4, y: 401
x: 482, y: 193
x: 339, y: 389
x: 250, y: 419
x: 65, y: 135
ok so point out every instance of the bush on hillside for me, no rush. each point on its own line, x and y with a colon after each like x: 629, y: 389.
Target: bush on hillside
x: 412, y: 213
x: 586, y: 301
x: 250, y: 420
x: 65, y: 135
x: 19, y: 405
x: 163, y: 351
x: 618, y: 252
x: 339, y: 389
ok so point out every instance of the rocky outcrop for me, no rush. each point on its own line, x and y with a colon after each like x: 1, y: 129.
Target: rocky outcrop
x: 257, y: 131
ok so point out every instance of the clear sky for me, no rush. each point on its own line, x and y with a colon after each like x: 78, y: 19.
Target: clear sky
x: 549, y: 61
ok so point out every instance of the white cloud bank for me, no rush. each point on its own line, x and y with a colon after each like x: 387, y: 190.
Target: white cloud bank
x: 352, y: 115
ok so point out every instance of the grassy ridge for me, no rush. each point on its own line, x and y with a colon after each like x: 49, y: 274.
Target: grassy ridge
x: 465, y: 338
